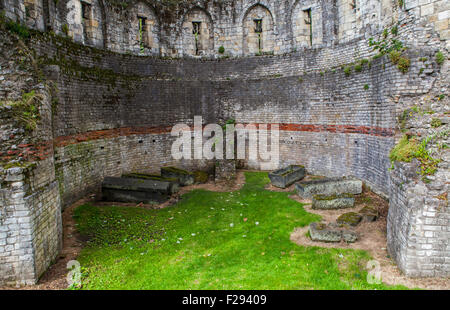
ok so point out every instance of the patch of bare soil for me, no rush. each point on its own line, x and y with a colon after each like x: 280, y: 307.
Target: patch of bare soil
x: 372, y: 238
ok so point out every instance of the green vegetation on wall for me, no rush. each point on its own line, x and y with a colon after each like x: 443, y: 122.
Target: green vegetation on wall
x: 410, y: 148
x: 26, y: 110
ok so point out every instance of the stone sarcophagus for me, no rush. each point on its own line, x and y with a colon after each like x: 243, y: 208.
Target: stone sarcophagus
x: 287, y: 176
x: 328, y: 187
x: 136, y: 190
x: 184, y: 177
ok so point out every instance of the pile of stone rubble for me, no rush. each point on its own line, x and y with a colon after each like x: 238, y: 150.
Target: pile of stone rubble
x: 327, y: 194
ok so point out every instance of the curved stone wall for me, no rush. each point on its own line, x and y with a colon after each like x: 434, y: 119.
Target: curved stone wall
x: 116, y: 98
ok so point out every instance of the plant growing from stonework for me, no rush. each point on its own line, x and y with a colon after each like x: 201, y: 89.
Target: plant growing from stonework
x: 436, y: 122
x: 440, y: 58
x: 403, y: 64
x: 348, y: 70
x: 409, y: 148
x: 26, y: 110
x: 388, y: 44
x: 18, y: 29
x: 65, y: 29
x: 221, y: 50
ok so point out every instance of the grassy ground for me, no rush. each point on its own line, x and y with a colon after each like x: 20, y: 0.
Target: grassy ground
x: 210, y: 240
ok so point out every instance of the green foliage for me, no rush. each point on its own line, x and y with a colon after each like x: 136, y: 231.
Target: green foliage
x: 348, y: 70
x: 394, y: 30
x: 389, y: 45
x: 26, y: 110
x: 20, y: 30
x: 440, y: 58
x: 386, y: 45
x: 358, y: 68
x: 65, y: 29
x: 394, y: 56
x: 405, y: 150
x: 213, y: 240
x: 379, y: 55
x: 403, y: 64
x: 221, y: 50
x: 436, y: 122
x: 409, y: 148
x: 228, y: 122
x: 364, y: 61
x: 366, y: 86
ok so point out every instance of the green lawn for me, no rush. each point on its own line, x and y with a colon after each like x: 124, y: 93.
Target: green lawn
x: 204, y: 242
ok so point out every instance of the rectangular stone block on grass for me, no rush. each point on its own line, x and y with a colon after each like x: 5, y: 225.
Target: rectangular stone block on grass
x: 284, y: 177
x: 329, y: 187
x: 135, y: 190
x: 184, y: 177
x: 174, y: 184
x: 334, y: 202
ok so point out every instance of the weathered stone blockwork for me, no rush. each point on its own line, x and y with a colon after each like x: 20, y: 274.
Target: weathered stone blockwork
x: 418, y: 225
x: 113, y: 111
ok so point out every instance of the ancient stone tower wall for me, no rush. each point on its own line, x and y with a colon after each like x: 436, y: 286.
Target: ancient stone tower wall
x: 127, y: 72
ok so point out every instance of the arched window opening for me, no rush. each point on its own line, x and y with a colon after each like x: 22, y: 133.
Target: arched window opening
x: 197, y: 33
x: 258, y: 31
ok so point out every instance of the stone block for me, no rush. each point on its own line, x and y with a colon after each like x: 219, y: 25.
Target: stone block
x: 174, y: 184
x: 283, y: 178
x: 369, y: 214
x: 349, y: 236
x: 184, y: 177
x: 350, y: 218
x: 135, y: 190
x: 320, y: 232
x: 328, y: 187
x: 341, y: 201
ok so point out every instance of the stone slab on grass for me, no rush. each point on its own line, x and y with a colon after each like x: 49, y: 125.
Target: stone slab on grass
x: 285, y: 177
x: 350, y: 218
x: 174, y: 184
x: 331, y: 233
x: 329, y: 187
x: 320, y: 232
x: 184, y: 177
x: 334, y: 202
x: 135, y: 190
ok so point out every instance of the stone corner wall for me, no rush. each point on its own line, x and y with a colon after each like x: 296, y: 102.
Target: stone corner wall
x: 418, y: 230
x: 30, y: 207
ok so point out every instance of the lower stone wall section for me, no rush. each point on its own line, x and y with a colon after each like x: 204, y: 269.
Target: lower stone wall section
x: 81, y: 167
x: 418, y: 233
x: 30, y: 222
